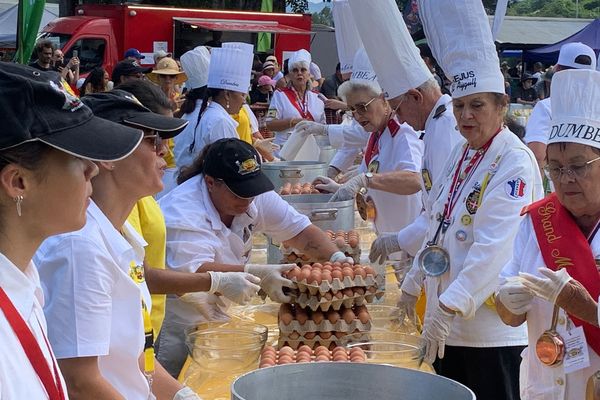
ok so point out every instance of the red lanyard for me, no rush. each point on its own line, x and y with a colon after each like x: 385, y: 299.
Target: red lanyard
x: 32, y: 349
x: 302, y: 104
x: 372, y: 147
x: 459, y: 178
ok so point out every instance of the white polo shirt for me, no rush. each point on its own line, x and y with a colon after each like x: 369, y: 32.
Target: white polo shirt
x: 196, y: 235
x: 93, y: 304
x: 281, y: 108
x: 539, y: 381
x: 18, y: 379
x: 539, y: 123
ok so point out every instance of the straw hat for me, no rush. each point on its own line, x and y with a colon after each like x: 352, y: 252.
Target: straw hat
x: 167, y: 66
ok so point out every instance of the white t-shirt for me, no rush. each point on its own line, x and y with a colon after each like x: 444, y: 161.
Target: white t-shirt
x: 539, y: 123
x: 479, y: 239
x: 196, y: 235
x: 539, y: 381
x: 401, y: 152
x: 94, y: 307
x: 281, y: 108
x: 18, y: 379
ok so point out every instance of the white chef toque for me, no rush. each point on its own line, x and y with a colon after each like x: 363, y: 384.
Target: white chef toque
x: 299, y: 57
x: 459, y: 35
x: 576, y: 107
x: 347, y: 39
x: 247, y: 47
x: 230, y: 69
x: 195, y: 65
x: 393, y: 54
x: 362, y: 70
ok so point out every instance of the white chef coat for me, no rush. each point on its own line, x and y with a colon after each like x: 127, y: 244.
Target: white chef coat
x: 281, y: 108
x: 196, y: 235
x: 93, y: 305
x: 440, y: 137
x: 401, y: 152
x: 181, y: 150
x: 350, y: 138
x: 479, y: 243
x: 539, y: 123
x: 543, y: 382
x: 18, y: 379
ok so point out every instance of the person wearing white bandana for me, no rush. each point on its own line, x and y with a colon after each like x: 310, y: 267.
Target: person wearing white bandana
x: 472, y: 212
x: 552, y: 280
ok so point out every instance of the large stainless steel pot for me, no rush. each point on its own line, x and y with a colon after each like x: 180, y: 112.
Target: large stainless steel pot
x: 345, y: 381
x: 293, y: 171
x: 326, y: 154
x: 335, y: 216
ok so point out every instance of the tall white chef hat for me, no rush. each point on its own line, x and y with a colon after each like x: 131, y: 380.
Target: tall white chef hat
x: 247, y: 47
x: 576, y: 107
x: 300, y: 57
x: 460, y: 37
x: 392, y: 52
x: 347, y: 39
x: 362, y: 70
x: 230, y: 69
x: 195, y: 65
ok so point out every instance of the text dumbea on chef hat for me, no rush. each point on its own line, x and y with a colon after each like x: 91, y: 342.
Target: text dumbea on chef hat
x: 459, y: 35
x: 347, y: 39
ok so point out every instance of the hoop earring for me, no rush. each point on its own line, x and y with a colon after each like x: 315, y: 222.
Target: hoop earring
x: 18, y: 201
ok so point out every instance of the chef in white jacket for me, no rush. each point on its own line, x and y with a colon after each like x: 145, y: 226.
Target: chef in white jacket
x: 472, y: 212
x: 565, y: 224
x: 222, y: 200
x: 229, y: 74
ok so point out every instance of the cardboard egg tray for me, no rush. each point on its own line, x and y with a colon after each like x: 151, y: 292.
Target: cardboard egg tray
x: 317, y: 340
x: 336, y: 284
x: 271, y: 357
x: 341, y: 325
x: 316, y: 302
x: 294, y: 256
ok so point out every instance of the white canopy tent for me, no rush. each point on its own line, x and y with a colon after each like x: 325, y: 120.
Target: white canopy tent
x: 8, y: 23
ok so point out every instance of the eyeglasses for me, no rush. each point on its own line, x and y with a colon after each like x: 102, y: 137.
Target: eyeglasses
x: 157, y: 142
x: 362, y: 109
x: 575, y: 171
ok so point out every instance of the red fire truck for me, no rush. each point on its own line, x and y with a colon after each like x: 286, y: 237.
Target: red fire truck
x: 100, y: 34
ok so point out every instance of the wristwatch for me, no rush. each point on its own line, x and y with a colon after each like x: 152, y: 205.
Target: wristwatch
x: 369, y: 176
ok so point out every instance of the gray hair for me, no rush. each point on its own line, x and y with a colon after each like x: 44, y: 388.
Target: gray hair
x: 430, y: 85
x: 354, y: 86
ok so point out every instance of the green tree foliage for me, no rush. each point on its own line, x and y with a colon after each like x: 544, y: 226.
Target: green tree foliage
x: 556, y: 8
x: 324, y: 17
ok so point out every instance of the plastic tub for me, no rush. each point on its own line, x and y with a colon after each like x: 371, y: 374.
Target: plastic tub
x: 391, y: 348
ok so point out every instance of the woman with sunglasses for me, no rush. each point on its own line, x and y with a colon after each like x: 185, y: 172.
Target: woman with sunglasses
x: 552, y: 281
x: 98, y: 302
x: 296, y: 102
x: 48, y: 144
x: 390, y: 171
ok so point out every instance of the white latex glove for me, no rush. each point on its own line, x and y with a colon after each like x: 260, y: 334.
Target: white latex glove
x: 549, y: 285
x: 326, y: 184
x: 238, y: 287
x: 349, y: 189
x: 186, y: 394
x: 210, y: 306
x: 306, y: 128
x: 271, y: 280
x: 407, y: 304
x: 340, y: 257
x: 266, y: 148
x: 335, y: 104
x: 515, y: 297
x: 435, y: 331
x: 349, y: 174
x: 383, y: 246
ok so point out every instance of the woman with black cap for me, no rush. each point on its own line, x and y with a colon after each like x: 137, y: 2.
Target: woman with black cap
x: 48, y: 142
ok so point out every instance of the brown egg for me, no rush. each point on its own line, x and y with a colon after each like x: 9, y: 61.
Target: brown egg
x: 304, y: 349
x: 294, y: 335
x: 304, y: 274
x: 339, y: 242
x: 330, y: 233
x: 326, y: 276
x: 269, y: 349
x: 296, y: 190
x: 322, y: 358
x: 301, y: 315
x: 340, y: 335
x: 364, y: 316
x: 337, y: 274
x: 348, y: 292
x: 340, y: 357
x: 293, y: 273
x: 318, y: 266
x: 292, y: 257
x: 317, y: 317
x: 303, y: 360
x: 338, y: 295
x: 315, y: 277
x: 333, y: 316
x: 369, y: 270
x: 325, y: 335
x: 321, y: 350
x: 305, y: 257
x: 353, y: 242
x: 347, y: 272
x: 310, y: 335
x: 327, y: 267
x: 372, y: 289
x: 360, y: 271
x: 338, y: 349
x: 348, y: 315
x: 357, y: 359
x: 359, y: 291
x: 266, y: 357
x: 340, y: 233
x: 285, y: 360
x: 286, y: 350
x: 337, y: 264
x: 357, y: 350
x: 267, y: 363
x: 327, y: 296
x: 285, y: 315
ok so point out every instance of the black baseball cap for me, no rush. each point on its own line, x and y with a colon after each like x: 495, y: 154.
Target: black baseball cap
x: 128, y: 67
x: 124, y: 108
x: 237, y: 164
x: 40, y: 106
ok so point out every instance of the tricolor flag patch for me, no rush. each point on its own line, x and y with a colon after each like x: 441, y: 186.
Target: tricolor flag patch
x: 516, y: 188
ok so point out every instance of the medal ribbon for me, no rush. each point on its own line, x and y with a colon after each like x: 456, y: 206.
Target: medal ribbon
x: 300, y: 106
x: 373, y: 144
x: 32, y: 349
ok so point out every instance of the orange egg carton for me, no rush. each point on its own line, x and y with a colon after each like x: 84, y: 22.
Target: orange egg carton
x: 298, y: 188
x: 293, y: 318
x: 332, y: 277
x: 305, y: 354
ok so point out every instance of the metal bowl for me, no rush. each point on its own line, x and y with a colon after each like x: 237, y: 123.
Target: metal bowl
x: 345, y: 381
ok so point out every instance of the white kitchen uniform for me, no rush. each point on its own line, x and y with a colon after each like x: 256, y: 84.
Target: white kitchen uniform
x: 479, y: 239
x: 94, y: 306
x: 539, y: 122
x: 196, y: 235
x: 543, y: 382
x: 18, y: 379
x: 215, y: 124
x: 281, y: 108
x: 183, y: 155
x: 400, y: 149
x: 350, y: 138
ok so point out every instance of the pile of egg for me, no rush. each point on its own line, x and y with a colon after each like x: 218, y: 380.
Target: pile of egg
x: 287, y: 314
x: 286, y: 355
x: 317, y: 272
x: 343, y: 238
x: 298, y: 188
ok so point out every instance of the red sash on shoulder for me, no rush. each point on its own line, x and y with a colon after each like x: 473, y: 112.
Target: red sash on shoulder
x: 373, y: 144
x: 563, y: 245
x: 293, y: 98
